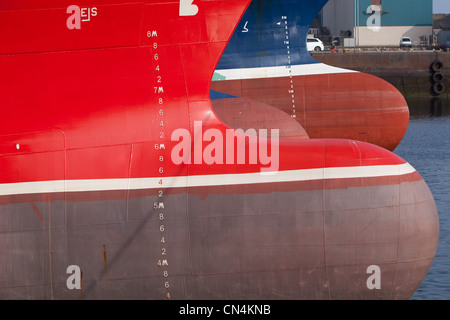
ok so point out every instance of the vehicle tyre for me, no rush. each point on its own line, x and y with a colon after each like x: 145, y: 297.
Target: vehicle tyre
x: 317, y: 49
x: 438, y: 77
x: 439, y: 88
x: 437, y: 65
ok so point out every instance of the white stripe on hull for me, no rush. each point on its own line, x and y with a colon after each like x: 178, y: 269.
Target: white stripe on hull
x: 283, y: 71
x: 203, y: 180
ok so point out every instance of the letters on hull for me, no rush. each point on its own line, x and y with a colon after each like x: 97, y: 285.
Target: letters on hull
x: 119, y: 181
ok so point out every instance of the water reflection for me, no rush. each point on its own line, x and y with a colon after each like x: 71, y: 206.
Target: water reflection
x: 436, y: 106
x: 423, y: 107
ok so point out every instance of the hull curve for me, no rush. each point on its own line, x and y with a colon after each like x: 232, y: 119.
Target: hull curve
x: 117, y: 179
x: 267, y: 61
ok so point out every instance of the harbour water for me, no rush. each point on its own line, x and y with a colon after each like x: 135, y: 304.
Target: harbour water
x: 426, y: 146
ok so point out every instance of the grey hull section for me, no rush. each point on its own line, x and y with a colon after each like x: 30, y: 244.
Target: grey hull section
x: 220, y: 243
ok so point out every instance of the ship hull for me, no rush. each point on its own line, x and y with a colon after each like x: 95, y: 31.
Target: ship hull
x: 342, y: 105
x: 119, y: 181
x: 268, y: 241
x: 267, y: 60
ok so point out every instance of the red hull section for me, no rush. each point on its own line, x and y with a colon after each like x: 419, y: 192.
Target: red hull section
x: 113, y: 161
x: 354, y: 106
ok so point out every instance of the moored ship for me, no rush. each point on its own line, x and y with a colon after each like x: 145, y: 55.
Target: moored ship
x: 267, y: 62
x: 118, y: 180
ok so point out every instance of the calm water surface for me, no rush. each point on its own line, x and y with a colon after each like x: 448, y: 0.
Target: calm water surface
x: 426, y: 146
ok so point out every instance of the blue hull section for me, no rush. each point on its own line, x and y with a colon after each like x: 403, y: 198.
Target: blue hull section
x: 272, y: 33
